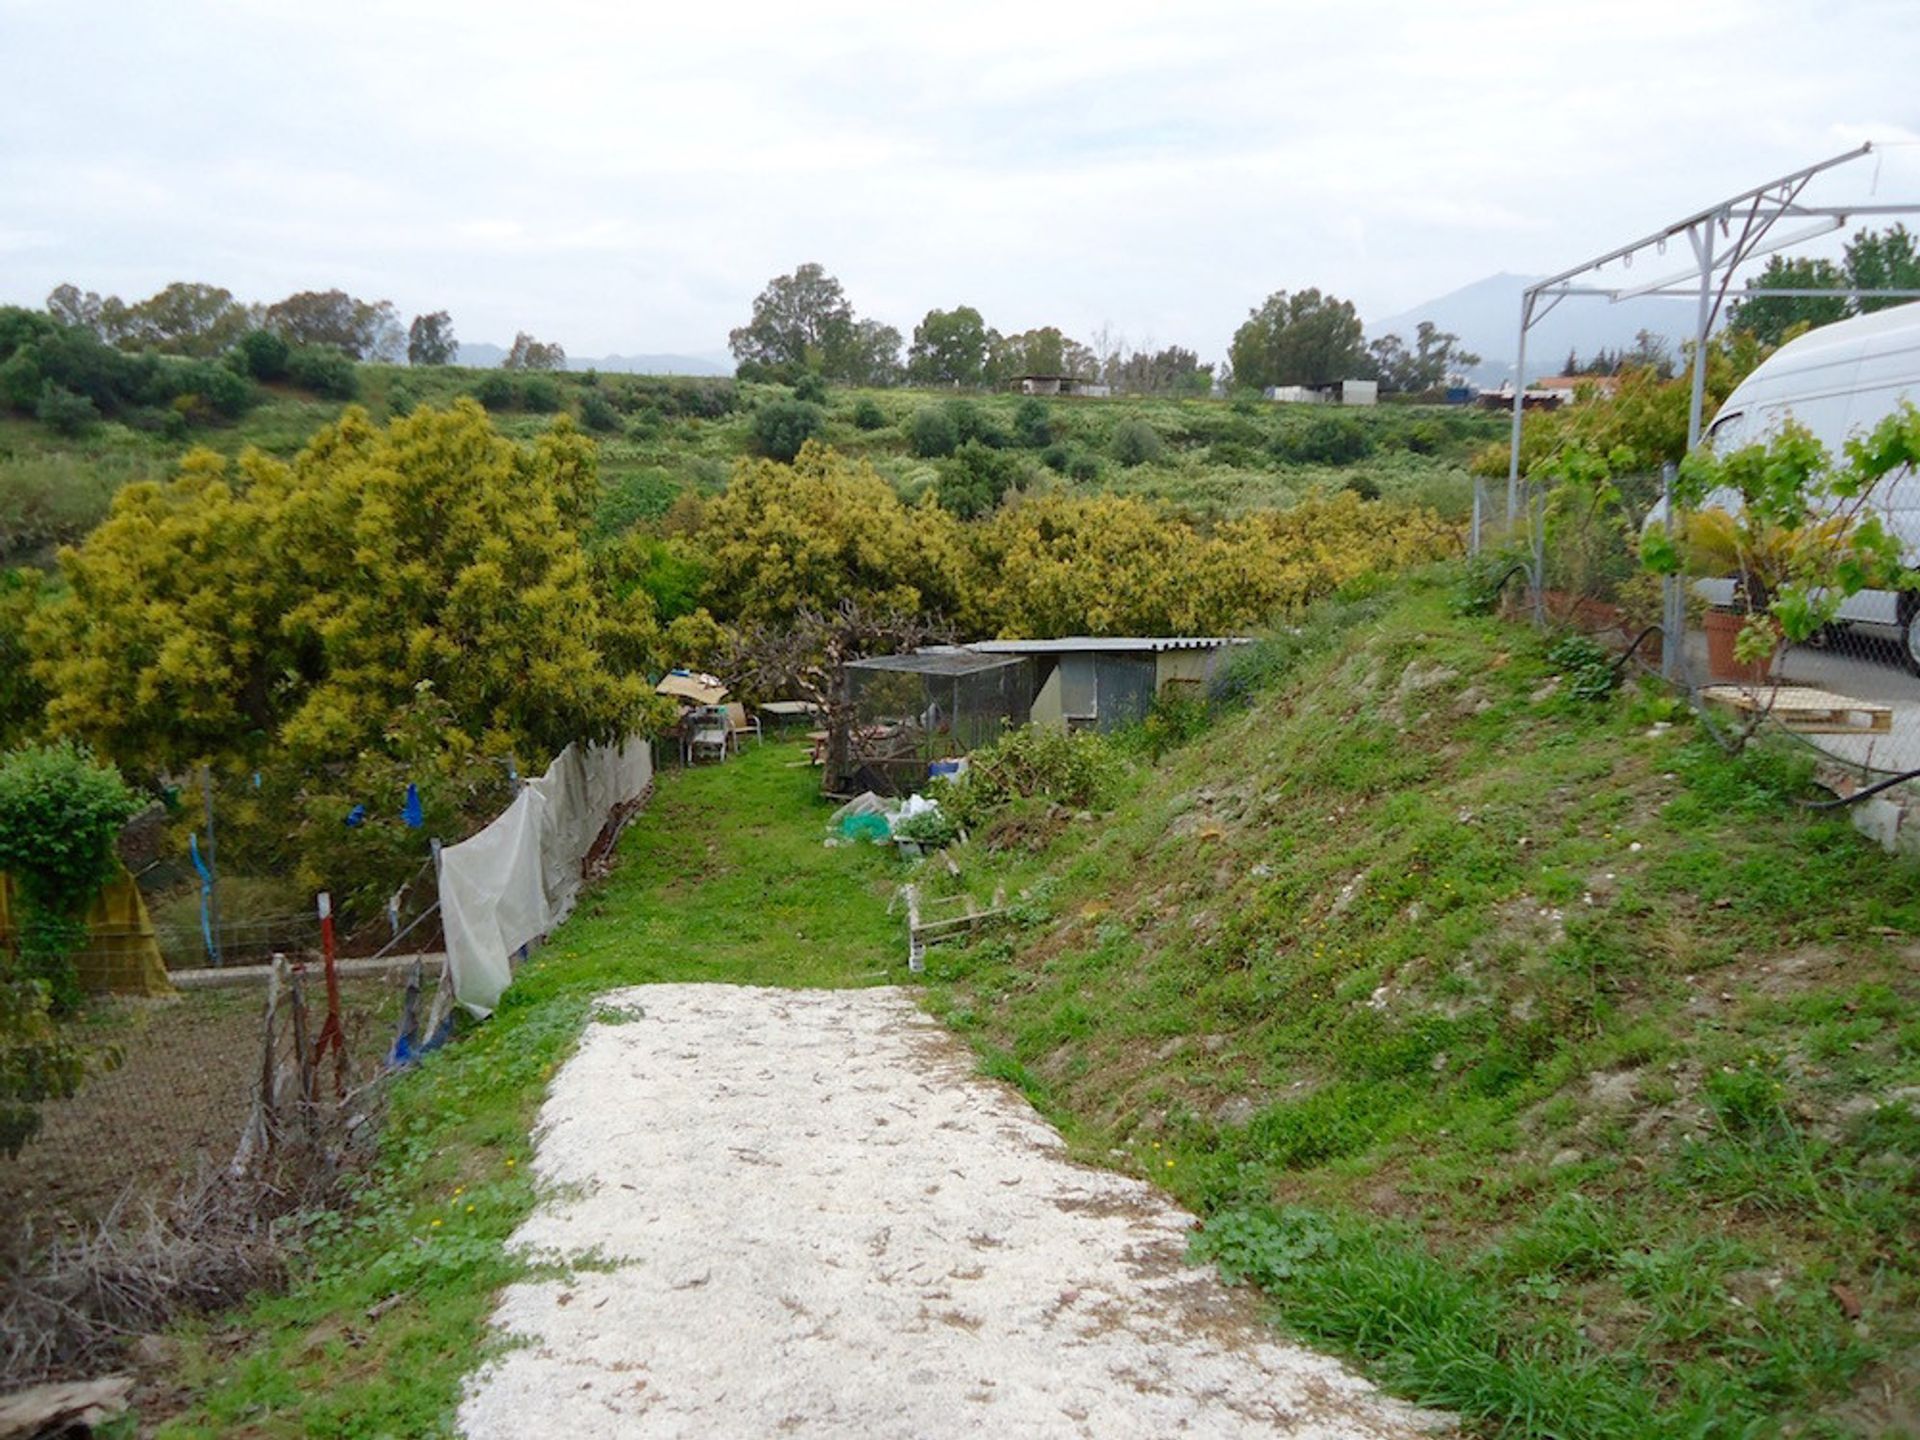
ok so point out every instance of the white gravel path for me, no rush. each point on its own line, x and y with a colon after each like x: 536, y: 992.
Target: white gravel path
x: 821, y: 1222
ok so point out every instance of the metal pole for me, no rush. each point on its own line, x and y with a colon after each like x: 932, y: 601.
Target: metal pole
x: 332, y: 1034
x: 213, y: 869
x: 1673, y: 607
x: 1537, y: 523
x: 1703, y: 247
x: 1479, y: 515
x: 1519, y: 408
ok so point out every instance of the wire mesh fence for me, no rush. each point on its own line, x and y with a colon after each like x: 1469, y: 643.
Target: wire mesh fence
x: 1849, y: 695
x: 228, y: 866
x: 169, y: 1089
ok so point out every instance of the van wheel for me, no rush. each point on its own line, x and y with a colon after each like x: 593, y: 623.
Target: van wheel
x: 1910, y: 633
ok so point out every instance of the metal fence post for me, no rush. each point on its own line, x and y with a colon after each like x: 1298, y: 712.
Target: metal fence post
x: 213, y: 870
x: 1537, y: 521
x: 1673, y: 600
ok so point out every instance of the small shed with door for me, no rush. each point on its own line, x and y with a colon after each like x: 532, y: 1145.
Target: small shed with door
x: 1101, y: 683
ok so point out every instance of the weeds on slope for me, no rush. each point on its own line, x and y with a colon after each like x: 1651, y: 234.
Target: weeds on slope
x: 1521, y: 1044
x: 723, y: 879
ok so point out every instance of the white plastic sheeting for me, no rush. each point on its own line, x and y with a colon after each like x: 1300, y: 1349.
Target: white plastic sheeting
x: 516, y: 880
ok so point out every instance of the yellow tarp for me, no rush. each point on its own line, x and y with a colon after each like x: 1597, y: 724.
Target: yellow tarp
x: 122, y: 955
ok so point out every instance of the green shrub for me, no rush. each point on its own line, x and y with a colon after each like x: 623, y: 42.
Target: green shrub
x: 781, y: 428
x: 60, y: 811
x: 23, y: 700
x: 1590, y: 671
x: 1055, y: 458
x: 868, y: 415
x: 402, y: 399
x: 229, y: 394
x: 1323, y: 440
x: 1174, y: 718
x: 1081, y: 770
x: 1234, y: 455
x: 631, y: 497
x: 970, y: 422
x: 931, y: 434
x: 931, y: 828
x: 21, y: 381
x: 1032, y: 427
x: 1135, y: 442
x: 64, y: 412
x: 324, y: 371
x: 37, y: 1062
x: 496, y: 391
x: 597, y: 412
x: 976, y: 478
x: 540, y: 394
x: 56, y: 498
x: 1365, y: 486
x: 811, y: 387
x: 264, y: 355
x: 1084, y: 467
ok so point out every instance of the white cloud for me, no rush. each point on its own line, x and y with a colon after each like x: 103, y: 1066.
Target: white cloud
x: 627, y: 177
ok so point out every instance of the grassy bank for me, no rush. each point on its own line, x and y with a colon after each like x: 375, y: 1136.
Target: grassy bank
x: 723, y: 878
x: 1527, y: 1049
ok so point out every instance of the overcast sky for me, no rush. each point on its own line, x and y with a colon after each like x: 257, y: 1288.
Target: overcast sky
x: 625, y: 177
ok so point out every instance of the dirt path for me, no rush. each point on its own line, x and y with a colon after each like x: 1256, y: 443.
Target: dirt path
x: 820, y: 1222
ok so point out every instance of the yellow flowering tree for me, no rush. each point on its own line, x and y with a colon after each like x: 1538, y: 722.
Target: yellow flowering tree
x: 257, y: 608
x: 819, y: 531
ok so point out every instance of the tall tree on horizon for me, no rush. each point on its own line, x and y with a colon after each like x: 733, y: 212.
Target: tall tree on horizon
x: 800, y: 322
x: 430, y: 340
x: 949, y: 348
x: 1873, y: 260
x: 1305, y: 338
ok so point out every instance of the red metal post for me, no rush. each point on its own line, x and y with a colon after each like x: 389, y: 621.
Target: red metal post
x: 332, y: 1035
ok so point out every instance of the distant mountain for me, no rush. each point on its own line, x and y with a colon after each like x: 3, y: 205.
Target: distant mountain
x: 1486, y: 317
x: 485, y: 357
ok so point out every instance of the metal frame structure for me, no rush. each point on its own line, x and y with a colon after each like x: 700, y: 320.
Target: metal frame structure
x: 1744, y: 223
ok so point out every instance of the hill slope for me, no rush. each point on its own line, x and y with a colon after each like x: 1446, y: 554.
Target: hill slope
x: 1528, y: 1048
x: 1486, y: 317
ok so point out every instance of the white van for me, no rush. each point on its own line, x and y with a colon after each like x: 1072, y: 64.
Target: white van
x: 1839, y: 381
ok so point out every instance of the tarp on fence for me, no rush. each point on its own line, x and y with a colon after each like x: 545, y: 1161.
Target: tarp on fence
x: 516, y: 880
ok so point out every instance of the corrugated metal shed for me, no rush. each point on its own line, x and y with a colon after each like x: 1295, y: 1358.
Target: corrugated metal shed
x: 1124, y: 644
x: 940, y: 660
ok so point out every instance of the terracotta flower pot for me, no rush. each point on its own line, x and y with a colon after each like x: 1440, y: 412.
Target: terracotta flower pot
x: 1723, y: 628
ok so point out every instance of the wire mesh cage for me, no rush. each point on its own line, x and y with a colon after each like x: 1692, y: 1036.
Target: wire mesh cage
x: 902, y: 713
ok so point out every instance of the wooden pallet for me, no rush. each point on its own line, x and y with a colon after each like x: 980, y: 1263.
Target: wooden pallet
x: 922, y: 930
x: 1805, y: 709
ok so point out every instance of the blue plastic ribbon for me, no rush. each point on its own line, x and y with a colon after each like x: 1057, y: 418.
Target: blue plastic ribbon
x: 206, y: 894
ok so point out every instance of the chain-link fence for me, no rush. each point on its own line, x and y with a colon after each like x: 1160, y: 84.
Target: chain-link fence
x: 169, y: 1089
x: 1571, y: 554
x: 228, y: 866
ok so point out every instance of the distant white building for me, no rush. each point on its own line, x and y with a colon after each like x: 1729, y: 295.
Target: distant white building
x: 1059, y: 385
x: 1340, y: 392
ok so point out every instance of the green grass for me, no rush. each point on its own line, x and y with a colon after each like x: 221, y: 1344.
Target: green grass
x: 724, y: 878
x: 1554, y: 1070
